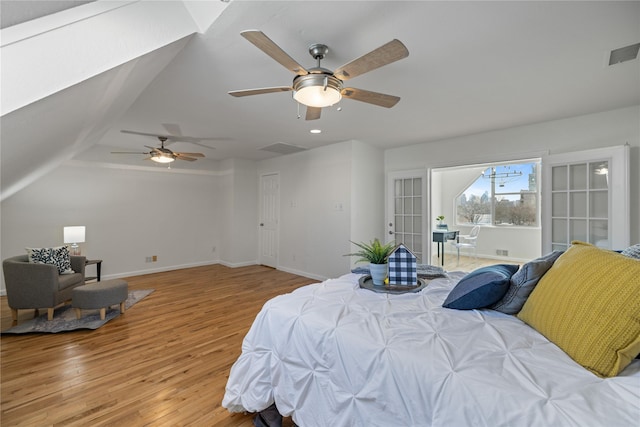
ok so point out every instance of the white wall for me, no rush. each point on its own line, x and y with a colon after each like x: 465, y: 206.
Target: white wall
x: 239, y: 207
x: 605, y: 129
x: 367, y: 194
x: 129, y: 214
x: 315, y: 209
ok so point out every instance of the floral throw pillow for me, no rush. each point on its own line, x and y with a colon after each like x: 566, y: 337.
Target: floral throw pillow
x: 58, y: 256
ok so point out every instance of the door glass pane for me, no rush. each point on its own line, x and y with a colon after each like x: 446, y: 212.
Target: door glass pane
x: 398, y: 187
x: 408, y: 187
x: 578, y: 230
x: 417, y: 205
x: 408, y: 206
x: 408, y: 224
x: 398, y: 204
x: 399, y: 224
x: 417, y: 186
x: 417, y: 224
x: 599, y: 204
x: 599, y: 175
x: 598, y: 233
x: 578, y: 177
x: 559, y: 205
x: 417, y: 245
x: 559, y: 230
x: 578, y: 204
x: 559, y: 178
x: 399, y: 238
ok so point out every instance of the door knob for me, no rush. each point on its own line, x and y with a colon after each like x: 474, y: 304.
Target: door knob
x: 390, y: 232
x: 262, y: 224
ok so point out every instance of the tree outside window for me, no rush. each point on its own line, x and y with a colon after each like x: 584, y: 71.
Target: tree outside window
x: 505, y: 195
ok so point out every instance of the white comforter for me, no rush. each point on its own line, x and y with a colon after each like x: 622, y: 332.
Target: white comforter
x: 332, y: 354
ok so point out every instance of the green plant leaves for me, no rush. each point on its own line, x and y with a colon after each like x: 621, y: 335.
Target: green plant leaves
x: 373, y: 252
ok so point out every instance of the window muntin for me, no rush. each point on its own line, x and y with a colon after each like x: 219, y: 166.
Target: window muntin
x: 503, y: 195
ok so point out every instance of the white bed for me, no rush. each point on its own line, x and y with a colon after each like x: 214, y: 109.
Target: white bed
x: 333, y: 354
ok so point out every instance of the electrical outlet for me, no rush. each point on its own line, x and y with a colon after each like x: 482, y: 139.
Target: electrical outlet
x: 147, y: 259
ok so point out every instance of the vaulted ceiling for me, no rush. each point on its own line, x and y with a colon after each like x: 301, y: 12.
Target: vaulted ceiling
x: 72, y: 80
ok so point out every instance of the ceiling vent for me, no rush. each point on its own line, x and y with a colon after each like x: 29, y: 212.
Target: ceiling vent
x: 282, y: 148
x: 627, y: 53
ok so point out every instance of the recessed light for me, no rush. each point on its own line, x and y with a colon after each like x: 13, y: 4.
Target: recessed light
x: 315, y: 131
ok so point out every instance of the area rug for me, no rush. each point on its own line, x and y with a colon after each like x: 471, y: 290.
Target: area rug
x: 64, y: 318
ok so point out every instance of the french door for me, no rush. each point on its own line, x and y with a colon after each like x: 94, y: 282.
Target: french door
x: 406, y: 211
x: 586, y: 198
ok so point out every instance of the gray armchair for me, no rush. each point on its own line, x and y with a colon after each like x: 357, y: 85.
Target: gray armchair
x: 31, y: 285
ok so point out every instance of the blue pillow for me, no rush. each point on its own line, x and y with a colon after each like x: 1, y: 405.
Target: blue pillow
x: 481, y: 287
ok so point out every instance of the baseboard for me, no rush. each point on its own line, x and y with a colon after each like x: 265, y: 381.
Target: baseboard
x: 237, y: 264
x: 303, y: 273
x: 157, y: 270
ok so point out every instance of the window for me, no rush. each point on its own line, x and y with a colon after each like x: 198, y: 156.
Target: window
x: 503, y: 195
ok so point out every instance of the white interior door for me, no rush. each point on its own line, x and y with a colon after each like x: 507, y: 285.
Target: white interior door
x: 406, y: 203
x: 269, y: 215
x: 586, y: 198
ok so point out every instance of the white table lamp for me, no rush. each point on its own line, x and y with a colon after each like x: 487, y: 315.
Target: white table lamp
x: 74, y: 235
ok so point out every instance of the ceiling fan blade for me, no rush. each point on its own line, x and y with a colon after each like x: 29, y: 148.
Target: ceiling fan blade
x: 129, y: 152
x: 173, y: 129
x: 385, y: 54
x: 259, y: 91
x: 206, y: 139
x: 265, y: 44
x: 170, y: 138
x: 375, y: 98
x: 181, y: 157
x: 189, y: 154
x: 313, y: 113
x: 133, y: 132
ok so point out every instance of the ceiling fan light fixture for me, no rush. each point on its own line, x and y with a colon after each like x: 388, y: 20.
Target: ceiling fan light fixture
x: 162, y: 158
x: 317, y: 90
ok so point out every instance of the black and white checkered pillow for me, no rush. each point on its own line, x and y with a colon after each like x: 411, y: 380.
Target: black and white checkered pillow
x: 58, y: 256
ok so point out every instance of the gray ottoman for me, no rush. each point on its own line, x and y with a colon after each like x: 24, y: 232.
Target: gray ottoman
x: 100, y: 295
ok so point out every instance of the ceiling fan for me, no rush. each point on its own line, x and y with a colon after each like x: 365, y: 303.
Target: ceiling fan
x: 319, y: 87
x: 162, y: 154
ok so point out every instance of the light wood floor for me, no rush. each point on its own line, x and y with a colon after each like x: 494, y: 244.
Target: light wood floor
x: 165, y: 362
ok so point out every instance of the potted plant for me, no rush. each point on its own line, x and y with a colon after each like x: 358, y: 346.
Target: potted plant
x: 441, y: 224
x: 376, y: 254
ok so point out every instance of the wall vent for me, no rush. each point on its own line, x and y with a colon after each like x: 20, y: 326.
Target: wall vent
x: 502, y: 252
x: 623, y: 54
x: 282, y: 148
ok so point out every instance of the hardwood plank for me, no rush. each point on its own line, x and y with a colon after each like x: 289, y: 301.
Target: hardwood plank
x: 164, y: 362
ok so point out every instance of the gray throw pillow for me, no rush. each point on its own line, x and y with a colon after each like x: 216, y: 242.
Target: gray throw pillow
x: 522, y: 283
x: 632, y: 251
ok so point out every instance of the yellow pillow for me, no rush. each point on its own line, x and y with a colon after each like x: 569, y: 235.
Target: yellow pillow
x: 588, y: 304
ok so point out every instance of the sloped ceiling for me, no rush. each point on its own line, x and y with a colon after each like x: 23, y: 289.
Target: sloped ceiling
x: 473, y: 67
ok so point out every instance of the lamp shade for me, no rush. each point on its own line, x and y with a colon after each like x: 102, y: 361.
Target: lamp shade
x: 74, y: 234
x: 162, y: 158
x: 317, y: 90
